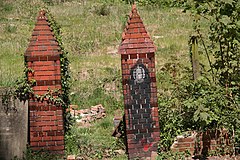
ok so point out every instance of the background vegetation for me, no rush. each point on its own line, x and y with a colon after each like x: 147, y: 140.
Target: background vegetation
x: 91, y: 32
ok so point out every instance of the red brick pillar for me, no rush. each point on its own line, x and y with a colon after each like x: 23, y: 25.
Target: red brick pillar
x: 139, y: 89
x: 45, y: 119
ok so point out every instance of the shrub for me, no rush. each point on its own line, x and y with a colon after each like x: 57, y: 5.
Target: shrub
x: 159, y: 3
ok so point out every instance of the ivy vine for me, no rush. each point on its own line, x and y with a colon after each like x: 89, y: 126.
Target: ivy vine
x: 65, y: 74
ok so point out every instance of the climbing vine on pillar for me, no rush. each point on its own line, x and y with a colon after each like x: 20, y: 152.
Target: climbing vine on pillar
x: 65, y: 74
x: 24, y: 86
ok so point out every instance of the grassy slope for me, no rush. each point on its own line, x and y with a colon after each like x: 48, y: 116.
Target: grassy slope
x: 92, y: 41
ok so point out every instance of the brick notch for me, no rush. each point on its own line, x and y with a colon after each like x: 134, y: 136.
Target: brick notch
x: 45, y: 119
x: 139, y: 89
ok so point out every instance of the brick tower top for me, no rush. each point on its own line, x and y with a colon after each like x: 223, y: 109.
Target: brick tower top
x: 43, y: 42
x: 135, y: 38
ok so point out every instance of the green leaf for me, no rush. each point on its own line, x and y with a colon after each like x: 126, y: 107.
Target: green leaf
x: 204, y: 116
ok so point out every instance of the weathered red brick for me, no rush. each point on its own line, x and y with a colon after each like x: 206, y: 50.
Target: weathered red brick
x: 58, y: 138
x: 42, y: 22
x: 35, y: 139
x: 47, y: 32
x: 46, y: 78
x: 44, y: 68
x: 37, y: 148
x: 34, y: 144
x: 51, y: 143
x: 60, y: 127
x: 46, y: 73
x: 42, y: 144
x: 47, y: 138
x: 42, y: 28
x: 54, y: 148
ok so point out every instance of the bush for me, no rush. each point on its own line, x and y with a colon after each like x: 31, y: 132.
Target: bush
x: 159, y: 3
x: 197, y: 106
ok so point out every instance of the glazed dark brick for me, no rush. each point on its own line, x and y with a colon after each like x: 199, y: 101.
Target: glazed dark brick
x: 139, y: 136
x: 145, y: 115
x: 146, y: 106
x: 135, y: 121
x: 147, y: 125
x: 138, y: 126
x: 146, y: 135
x: 136, y: 116
x: 143, y: 120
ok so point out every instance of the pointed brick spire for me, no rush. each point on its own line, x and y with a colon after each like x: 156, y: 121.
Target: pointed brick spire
x: 43, y: 41
x: 135, y: 39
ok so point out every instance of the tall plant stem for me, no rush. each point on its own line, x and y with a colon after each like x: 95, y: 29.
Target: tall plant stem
x: 206, y: 51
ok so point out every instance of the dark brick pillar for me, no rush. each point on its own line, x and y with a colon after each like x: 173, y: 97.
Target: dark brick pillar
x: 139, y: 89
x: 45, y: 119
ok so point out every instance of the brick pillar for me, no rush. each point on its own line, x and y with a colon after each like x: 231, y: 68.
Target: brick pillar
x: 139, y: 89
x: 45, y: 119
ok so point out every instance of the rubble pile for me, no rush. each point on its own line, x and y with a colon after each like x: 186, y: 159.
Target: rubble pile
x: 86, y: 116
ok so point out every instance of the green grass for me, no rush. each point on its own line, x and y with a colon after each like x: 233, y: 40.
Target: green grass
x: 92, y: 41
x: 16, y: 23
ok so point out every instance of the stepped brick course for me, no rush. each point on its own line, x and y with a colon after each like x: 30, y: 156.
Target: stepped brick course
x: 139, y: 89
x: 45, y: 119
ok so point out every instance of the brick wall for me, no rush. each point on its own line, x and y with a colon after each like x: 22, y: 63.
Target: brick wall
x: 139, y: 89
x: 202, y: 143
x: 45, y: 119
